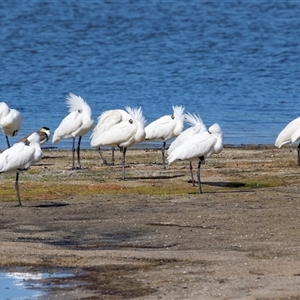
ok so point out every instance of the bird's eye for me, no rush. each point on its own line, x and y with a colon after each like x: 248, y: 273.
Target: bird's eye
x: 130, y: 121
x: 80, y: 111
x: 172, y: 117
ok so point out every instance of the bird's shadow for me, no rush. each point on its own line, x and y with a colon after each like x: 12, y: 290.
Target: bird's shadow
x: 229, y: 184
x: 42, y: 165
x: 155, y: 177
x: 52, y: 204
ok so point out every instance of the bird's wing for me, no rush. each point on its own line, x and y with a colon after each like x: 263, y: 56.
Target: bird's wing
x: 296, y: 135
x: 285, y: 136
x: 184, y: 136
x: 114, y: 136
x: 12, y: 122
x: 199, y: 145
x: 18, y: 157
x: 67, y: 127
x: 160, y: 128
x: 108, y: 119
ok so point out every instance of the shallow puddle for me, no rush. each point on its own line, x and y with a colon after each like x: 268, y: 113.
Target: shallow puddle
x: 25, y: 285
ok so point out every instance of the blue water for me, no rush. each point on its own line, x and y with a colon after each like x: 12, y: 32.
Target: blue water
x: 236, y: 63
x: 25, y: 285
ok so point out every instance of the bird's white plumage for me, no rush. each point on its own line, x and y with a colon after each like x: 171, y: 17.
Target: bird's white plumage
x: 77, y: 123
x: 289, y: 134
x: 21, y: 156
x: 34, y: 142
x: 16, y: 158
x: 122, y: 134
x: 10, y: 120
x: 166, y: 127
x: 197, y: 126
x: 108, y: 119
x: 203, y: 144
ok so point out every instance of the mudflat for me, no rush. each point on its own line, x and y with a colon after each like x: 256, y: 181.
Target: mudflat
x: 153, y: 236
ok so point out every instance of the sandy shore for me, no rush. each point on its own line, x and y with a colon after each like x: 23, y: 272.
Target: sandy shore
x: 152, y: 236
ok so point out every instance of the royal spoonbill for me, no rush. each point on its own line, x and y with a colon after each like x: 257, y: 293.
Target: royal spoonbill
x: 123, y: 134
x: 290, y: 134
x: 106, y: 120
x: 199, y: 147
x: 77, y: 123
x: 10, y: 121
x: 196, y: 126
x: 166, y: 128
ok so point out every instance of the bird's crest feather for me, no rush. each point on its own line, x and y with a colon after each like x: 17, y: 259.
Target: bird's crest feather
x: 193, y: 119
x: 76, y: 103
x: 178, y: 111
x: 136, y: 113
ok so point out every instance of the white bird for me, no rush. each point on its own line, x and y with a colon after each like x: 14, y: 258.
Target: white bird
x: 20, y: 157
x: 44, y: 134
x: 166, y: 128
x: 77, y: 123
x: 290, y: 134
x: 123, y: 134
x: 199, y: 147
x: 197, y: 126
x: 10, y: 121
x: 106, y: 120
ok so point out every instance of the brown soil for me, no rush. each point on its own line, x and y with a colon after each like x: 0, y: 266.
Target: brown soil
x: 152, y: 236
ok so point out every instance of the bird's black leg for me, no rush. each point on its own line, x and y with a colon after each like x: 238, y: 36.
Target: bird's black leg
x: 7, y: 142
x: 17, y: 190
x: 104, y: 161
x: 78, y: 153
x: 192, y: 176
x: 163, y: 154
x: 298, y: 149
x: 123, y: 163
x: 73, y: 152
x: 113, y: 156
x: 201, y: 159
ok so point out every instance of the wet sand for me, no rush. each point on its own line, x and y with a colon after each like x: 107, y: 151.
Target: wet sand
x: 152, y: 236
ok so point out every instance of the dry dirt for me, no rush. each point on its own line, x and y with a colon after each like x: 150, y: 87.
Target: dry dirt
x: 152, y: 236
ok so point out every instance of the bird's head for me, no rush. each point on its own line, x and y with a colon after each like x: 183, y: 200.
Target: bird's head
x: 46, y: 130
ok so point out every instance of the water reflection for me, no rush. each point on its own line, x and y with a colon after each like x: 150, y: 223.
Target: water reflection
x: 24, y: 285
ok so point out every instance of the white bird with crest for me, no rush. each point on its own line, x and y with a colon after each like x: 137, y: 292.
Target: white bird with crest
x: 106, y: 120
x: 77, y: 123
x: 199, y: 147
x: 197, y: 126
x: 123, y: 134
x: 166, y: 128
